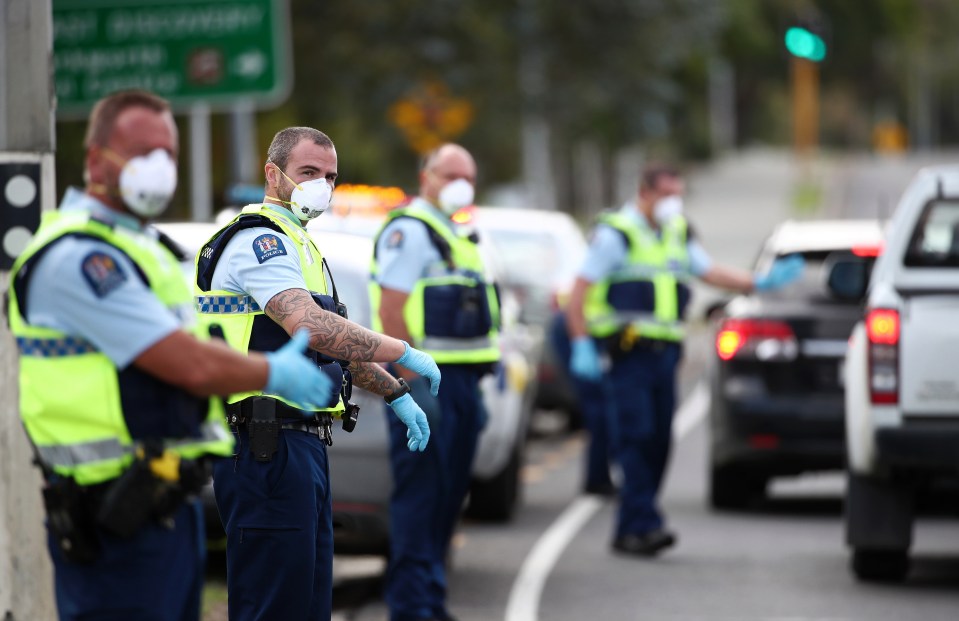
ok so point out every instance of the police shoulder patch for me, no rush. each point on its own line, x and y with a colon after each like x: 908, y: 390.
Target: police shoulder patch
x: 395, y: 240
x: 102, y: 273
x: 267, y: 246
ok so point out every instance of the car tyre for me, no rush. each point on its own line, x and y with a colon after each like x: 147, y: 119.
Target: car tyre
x: 496, y: 499
x: 732, y: 488
x: 880, y: 565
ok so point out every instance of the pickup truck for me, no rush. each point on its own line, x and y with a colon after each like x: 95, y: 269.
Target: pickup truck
x: 902, y: 377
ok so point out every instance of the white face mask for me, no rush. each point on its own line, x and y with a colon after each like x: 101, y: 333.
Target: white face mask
x: 309, y: 198
x: 455, y: 195
x: 147, y: 183
x: 667, y: 208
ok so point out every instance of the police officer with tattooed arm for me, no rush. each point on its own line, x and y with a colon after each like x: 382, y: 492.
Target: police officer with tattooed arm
x: 117, y: 380
x: 262, y: 278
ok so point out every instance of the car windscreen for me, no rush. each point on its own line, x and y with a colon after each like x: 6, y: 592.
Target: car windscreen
x: 935, y: 238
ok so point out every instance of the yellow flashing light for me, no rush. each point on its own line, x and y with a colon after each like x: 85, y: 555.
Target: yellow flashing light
x: 370, y: 200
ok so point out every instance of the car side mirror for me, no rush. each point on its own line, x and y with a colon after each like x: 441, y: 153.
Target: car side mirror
x: 847, y: 276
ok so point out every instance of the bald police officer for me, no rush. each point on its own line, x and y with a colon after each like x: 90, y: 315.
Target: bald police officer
x: 429, y: 286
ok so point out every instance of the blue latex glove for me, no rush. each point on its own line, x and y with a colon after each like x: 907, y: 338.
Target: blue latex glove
x: 418, y: 429
x: 295, y: 377
x: 422, y: 363
x: 783, y: 271
x: 584, y: 361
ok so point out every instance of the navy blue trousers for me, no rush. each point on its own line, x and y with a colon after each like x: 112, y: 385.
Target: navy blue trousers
x: 279, y: 530
x: 642, y: 393
x: 157, y: 575
x: 592, y: 402
x: 428, y: 492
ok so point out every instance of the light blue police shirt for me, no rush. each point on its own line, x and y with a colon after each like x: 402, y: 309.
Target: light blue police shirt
x: 89, y: 289
x: 608, y: 251
x: 405, y: 252
x: 240, y: 268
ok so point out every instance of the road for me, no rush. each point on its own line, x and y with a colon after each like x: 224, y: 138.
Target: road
x: 783, y: 559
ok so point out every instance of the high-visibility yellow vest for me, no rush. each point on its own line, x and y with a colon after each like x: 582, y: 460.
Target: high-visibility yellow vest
x: 245, y: 325
x: 648, y: 294
x: 73, y: 398
x: 452, y: 313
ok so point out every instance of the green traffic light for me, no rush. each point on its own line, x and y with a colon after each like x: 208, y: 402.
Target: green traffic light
x: 804, y: 44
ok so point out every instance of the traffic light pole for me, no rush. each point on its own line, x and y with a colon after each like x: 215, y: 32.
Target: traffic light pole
x: 805, y: 105
x: 26, y: 186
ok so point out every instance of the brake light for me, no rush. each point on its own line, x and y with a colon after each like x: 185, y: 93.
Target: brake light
x: 882, y: 330
x: 866, y: 250
x: 882, y: 326
x: 728, y: 343
x: 764, y: 339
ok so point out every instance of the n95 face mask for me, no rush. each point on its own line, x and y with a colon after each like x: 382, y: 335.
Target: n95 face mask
x: 147, y: 183
x: 309, y: 198
x: 667, y: 208
x: 455, y: 195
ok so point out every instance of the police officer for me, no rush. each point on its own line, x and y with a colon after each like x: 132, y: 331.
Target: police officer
x: 116, y: 379
x: 628, y: 304
x: 429, y: 286
x: 262, y: 278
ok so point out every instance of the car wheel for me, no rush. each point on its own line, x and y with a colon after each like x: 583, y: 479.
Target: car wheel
x: 732, y: 488
x: 880, y: 565
x: 495, y: 500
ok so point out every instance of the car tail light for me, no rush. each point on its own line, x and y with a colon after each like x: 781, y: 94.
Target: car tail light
x: 867, y: 250
x: 882, y: 330
x: 762, y: 339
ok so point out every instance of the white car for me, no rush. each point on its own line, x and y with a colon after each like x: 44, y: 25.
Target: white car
x: 902, y: 385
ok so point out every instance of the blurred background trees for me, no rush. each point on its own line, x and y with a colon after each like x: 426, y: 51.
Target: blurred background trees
x: 575, y: 95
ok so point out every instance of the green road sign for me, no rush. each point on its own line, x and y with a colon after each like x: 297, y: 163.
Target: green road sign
x: 188, y: 51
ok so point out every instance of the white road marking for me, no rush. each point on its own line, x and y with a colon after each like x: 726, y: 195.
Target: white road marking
x: 691, y: 411
x: 523, y: 604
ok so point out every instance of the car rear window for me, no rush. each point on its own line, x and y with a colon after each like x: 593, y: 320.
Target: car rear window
x: 812, y: 284
x: 935, y: 239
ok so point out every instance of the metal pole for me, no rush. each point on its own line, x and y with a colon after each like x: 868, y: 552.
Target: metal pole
x: 805, y: 88
x: 722, y: 106
x: 537, y: 160
x: 26, y: 135
x: 201, y: 170
x: 243, y: 160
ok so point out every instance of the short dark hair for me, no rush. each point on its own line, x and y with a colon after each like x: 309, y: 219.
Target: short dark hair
x: 652, y: 173
x: 286, y: 139
x: 106, y: 111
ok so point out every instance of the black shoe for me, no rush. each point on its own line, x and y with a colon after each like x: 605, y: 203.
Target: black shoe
x: 649, y: 544
x: 601, y: 489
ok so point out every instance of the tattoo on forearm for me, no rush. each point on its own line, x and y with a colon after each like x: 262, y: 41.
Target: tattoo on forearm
x: 330, y: 333
x: 371, y: 376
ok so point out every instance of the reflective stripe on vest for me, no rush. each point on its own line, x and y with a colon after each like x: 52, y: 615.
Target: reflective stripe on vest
x: 59, y: 456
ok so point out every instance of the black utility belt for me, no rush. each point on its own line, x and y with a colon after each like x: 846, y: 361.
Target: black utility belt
x: 121, y: 506
x: 243, y: 411
x: 620, y: 344
x: 264, y: 417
